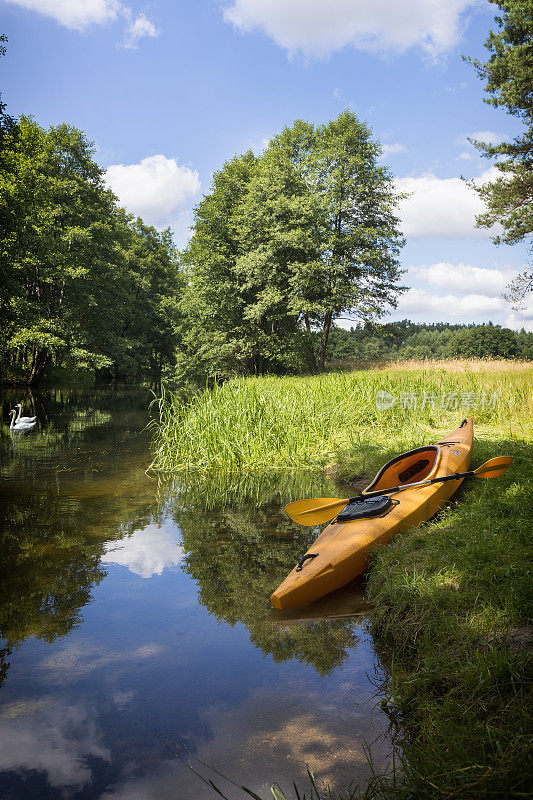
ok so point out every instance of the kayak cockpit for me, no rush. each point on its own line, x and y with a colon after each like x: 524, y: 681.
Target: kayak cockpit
x: 410, y: 467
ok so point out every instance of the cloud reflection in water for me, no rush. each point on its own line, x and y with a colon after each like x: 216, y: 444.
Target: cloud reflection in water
x: 50, y: 736
x: 146, y: 552
x: 270, y: 737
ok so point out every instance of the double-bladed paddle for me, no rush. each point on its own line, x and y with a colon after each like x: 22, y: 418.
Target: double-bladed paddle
x: 323, y: 509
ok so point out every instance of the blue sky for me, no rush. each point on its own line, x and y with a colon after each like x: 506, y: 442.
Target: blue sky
x: 169, y: 90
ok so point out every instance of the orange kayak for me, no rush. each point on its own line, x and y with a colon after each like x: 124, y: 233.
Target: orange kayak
x: 341, y: 551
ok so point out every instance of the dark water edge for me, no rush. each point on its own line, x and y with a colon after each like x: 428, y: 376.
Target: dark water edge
x: 134, y: 621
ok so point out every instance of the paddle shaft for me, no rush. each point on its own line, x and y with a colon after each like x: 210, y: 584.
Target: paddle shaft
x: 323, y: 509
x: 455, y: 477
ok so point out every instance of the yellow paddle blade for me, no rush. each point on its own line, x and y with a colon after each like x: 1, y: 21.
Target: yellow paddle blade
x: 493, y: 468
x: 315, y: 511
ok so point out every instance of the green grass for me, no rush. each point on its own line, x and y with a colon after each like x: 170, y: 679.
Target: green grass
x: 452, y: 604
x: 253, y: 424
x: 452, y: 598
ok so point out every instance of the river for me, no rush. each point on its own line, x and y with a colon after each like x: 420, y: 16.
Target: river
x: 139, y: 655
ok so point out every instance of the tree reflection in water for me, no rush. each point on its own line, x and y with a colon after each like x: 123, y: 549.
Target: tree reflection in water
x: 240, y: 545
x: 64, y: 493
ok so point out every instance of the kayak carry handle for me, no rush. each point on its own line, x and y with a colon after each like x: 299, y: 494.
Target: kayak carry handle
x: 302, y: 560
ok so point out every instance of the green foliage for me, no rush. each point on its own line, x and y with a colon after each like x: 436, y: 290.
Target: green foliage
x: 509, y: 83
x: 410, y: 340
x: 84, y: 285
x: 283, y: 245
x: 216, y: 335
x: 150, y: 317
x: 484, y: 341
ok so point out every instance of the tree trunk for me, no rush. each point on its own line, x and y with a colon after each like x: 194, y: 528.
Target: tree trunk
x: 39, y: 361
x: 311, y: 360
x: 324, y: 340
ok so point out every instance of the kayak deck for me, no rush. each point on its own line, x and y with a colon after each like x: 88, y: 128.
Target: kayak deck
x: 342, y: 549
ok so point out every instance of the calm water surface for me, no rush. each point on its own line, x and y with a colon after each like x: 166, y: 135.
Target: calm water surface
x: 137, y: 639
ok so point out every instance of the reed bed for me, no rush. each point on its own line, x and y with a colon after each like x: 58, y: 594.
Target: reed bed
x: 313, y: 422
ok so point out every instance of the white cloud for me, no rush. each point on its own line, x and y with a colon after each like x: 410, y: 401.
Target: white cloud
x: 147, y: 552
x: 156, y: 189
x: 419, y: 301
x: 523, y: 317
x: 79, y: 658
x: 389, y: 149
x: 259, y: 145
x: 137, y: 28
x: 461, y: 293
x: 465, y: 279
x: 285, y: 730
x: 74, y: 14
x: 79, y: 15
x: 455, y: 89
x: 442, y: 207
x: 319, y: 27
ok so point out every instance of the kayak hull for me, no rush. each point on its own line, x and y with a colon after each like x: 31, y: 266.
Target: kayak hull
x: 343, y: 548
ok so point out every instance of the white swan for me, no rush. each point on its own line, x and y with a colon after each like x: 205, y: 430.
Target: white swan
x: 20, y: 427
x: 20, y: 418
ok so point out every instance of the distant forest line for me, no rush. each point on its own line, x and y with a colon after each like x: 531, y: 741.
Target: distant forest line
x: 438, y: 340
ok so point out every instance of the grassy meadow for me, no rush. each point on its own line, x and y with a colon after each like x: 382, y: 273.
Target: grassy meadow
x: 333, y: 420
x: 452, y: 598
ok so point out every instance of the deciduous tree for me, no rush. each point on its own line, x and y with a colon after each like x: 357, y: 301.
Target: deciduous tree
x: 286, y: 243
x: 83, y: 283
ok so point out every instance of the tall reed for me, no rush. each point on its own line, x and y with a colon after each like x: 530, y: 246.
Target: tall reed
x: 310, y: 422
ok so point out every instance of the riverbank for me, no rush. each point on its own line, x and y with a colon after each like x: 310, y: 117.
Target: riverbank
x: 451, y: 598
x: 452, y: 619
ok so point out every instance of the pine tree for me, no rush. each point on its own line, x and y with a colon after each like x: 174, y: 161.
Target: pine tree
x: 508, y: 74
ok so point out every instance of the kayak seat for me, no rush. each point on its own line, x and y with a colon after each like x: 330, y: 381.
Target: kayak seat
x: 406, y: 468
x: 408, y: 474
x: 359, y: 509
